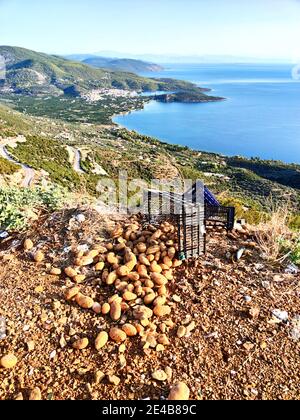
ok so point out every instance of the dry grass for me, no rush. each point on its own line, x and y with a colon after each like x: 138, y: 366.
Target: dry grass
x: 272, y: 233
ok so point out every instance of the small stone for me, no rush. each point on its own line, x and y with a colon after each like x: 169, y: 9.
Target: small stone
x: 248, y: 346
x: 122, y: 348
x: 99, y: 376
x: 160, y: 348
x: 254, y: 312
x: 97, y: 308
x: 181, y: 331
x: 62, y: 342
x: 39, y: 289
x: 55, y: 271
x: 179, y: 392
x: 80, y: 344
x: 9, y: 361
x: 160, y: 375
x: 169, y: 372
x: 19, y: 397
x: 163, y: 339
x: 191, y: 327
x: 263, y: 345
x: 176, y: 298
x: 39, y: 257
x: 114, y: 380
x: 28, y: 244
x: 30, y: 345
x: 35, y: 395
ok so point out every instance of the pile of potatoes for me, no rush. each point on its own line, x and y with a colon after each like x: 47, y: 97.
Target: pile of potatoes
x: 137, y: 264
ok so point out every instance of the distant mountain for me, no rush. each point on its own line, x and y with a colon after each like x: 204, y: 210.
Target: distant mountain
x: 177, y: 58
x: 123, y: 64
x: 33, y: 73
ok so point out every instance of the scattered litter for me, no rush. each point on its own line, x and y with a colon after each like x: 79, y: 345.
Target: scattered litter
x: 3, y: 234
x: 281, y: 315
x: 292, y: 269
x: 240, y: 253
x: 80, y: 218
x: 2, y: 328
x: 83, y: 248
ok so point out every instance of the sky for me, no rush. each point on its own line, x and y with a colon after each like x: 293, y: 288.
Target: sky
x: 251, y: 28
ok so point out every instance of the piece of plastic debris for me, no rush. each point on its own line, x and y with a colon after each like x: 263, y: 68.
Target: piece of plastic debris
x: 4, y: 234
x: 2, y: 328
x: 83, y: 248
x: 281, y: 315
x: 292, y: 269
x: 240, y: 253
x: 80, y: 218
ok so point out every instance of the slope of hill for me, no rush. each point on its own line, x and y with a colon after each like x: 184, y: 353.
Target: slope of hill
x: 32, y: 73
x: 123, y: 64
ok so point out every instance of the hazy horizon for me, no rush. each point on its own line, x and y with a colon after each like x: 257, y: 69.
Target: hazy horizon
x: 260, y: 29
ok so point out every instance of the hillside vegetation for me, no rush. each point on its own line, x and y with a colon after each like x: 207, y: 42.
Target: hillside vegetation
x: 29, y: 72
x: 123, y: 64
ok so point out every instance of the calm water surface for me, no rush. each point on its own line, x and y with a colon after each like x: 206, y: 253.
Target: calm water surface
x: 260, y: 117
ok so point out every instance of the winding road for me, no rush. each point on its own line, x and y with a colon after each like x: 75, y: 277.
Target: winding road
x: 75, y: 157
x: 29, y: 172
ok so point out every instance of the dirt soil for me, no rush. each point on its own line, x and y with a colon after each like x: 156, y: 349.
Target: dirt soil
x: 237, y: 350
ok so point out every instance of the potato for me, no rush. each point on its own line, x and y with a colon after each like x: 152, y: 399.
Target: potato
x: 71, y: 293
x: 162, y: 310
x: 177, y: 263
x: 28, y: 244
x: 39, y: 257
x: 131, y: 261
x: 80, y: 344
x: 117, y: 335
x: 153, y: 249
x: 55, y: 271
x: 8, y: 361
x: 134, y: 276
x: 84, y: 301
x: 111, y: 278
x: 123, y: 271
x: 105, y: 308
x: 167, y: 261
x: 118, y: 231
x: 141, y: 247
x: 79, y: 278
x: 129, y: 296
x: 85, y: 261
x: 115, y: 311
x: 160, y: 300
x: 148, y: 299
x: 101, y: 340
x: 99, y: 266
x: 111, y: 258
x: 155, y: 268
x: 168, y: 274
x: 162, y: 290
x: 129, y: 330
x: 143, y: 260
x: 159, y: 279
x: 92, y: 254
x: 142, y: 312
x: 142, y: 270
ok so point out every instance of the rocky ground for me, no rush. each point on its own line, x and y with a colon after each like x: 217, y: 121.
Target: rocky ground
x: 229, y: 327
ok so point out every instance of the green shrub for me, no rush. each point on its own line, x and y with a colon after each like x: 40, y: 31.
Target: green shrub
x: 19, y: 205
x: 8, y: 168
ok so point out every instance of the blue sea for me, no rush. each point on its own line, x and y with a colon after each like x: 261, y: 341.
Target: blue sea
x: 259, y: 118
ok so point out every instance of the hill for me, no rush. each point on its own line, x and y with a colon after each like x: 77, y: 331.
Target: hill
x: 123, y: 64
x: 33, y: 73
